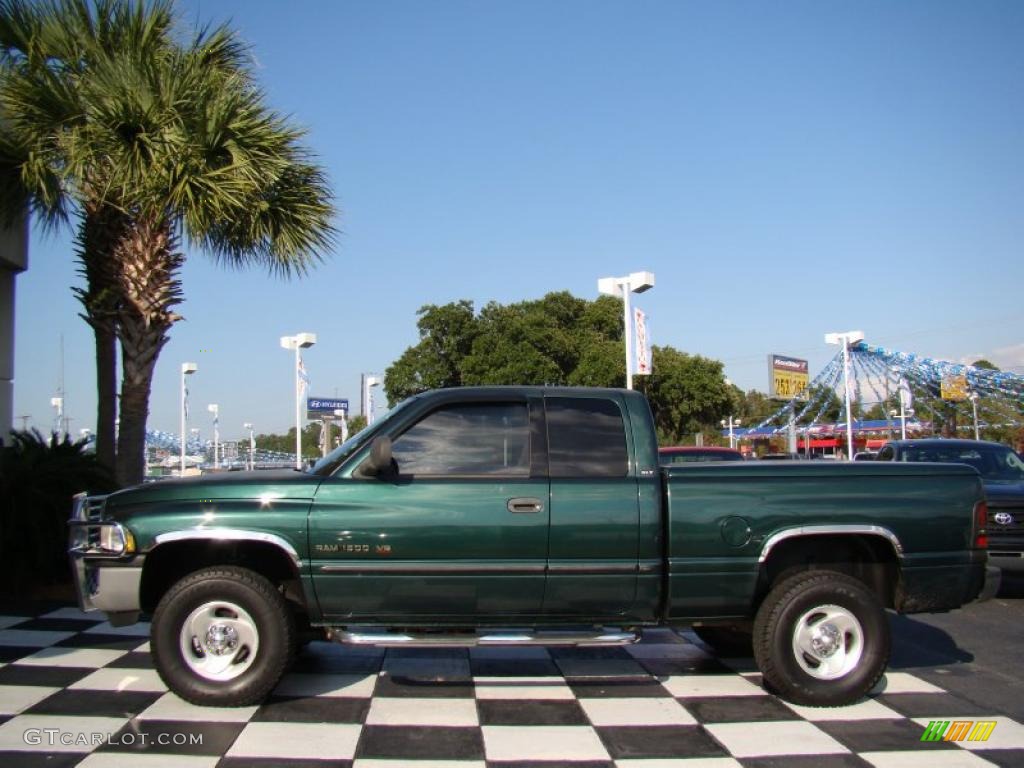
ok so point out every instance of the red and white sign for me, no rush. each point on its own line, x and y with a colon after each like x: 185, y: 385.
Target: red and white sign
x: 642, y: 345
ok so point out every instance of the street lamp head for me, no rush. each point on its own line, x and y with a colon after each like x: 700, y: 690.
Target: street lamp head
x: 641, y: 281
x: 300, y: 340
x: 723, y: 422
x: 610, y: 286
x: 213, y: 408
x: 737, y: 422
x: 187, y: 368
x: 847, y: 337
x: 247, y: 425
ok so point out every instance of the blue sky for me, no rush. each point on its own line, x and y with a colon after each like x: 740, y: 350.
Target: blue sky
x: 785, y: 170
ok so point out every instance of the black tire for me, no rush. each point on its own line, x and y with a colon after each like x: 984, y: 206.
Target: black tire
x: 777, y: 622
x: 727, y: 640
x: 254, y: 595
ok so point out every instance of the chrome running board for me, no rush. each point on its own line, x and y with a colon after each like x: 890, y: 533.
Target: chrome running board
x: 407, y: 639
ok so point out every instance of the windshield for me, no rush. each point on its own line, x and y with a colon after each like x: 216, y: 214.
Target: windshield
x: 993, y: 462
x: 330, y: 463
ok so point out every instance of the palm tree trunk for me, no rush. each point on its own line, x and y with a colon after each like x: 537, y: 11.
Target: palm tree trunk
x: 149, y: 287
x: 100, y: 231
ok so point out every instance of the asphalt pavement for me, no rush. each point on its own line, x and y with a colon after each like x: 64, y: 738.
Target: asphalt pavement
x: 976, y: 652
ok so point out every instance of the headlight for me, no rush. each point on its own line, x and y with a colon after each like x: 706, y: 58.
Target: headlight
x: 112, y: 539
x: 102, y: 539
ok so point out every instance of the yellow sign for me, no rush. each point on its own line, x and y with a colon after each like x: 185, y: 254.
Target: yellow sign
x: 788, y: 377
x: 954, y: 388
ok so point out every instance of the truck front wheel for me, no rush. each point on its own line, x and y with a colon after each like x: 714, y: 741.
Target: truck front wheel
x: 222, y: 636
x: 821, y: 638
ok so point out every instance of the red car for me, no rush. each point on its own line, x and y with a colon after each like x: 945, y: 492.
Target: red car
x: 689, y: 454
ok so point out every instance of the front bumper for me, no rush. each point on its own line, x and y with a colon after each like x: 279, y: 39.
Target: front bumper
x: 106, y: 585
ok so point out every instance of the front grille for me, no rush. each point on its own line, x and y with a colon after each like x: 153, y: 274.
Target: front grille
x: 89, y: 509
x: 1015, y: 511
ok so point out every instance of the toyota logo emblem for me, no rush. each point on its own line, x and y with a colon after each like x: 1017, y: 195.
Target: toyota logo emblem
x: 1003, y: 518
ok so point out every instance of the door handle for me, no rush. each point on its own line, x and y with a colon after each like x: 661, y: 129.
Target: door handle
x: 524, y: 504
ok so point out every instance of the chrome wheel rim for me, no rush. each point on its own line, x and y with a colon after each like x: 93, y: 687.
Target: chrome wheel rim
x: 219, y: 640
x: 828, y: 642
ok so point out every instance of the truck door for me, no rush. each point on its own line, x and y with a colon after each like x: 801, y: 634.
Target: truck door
x: 593, y: 550
x: 461, y: 530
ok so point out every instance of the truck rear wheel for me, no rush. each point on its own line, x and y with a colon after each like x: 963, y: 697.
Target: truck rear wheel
x: 222, y: 636
x: 821, y: 638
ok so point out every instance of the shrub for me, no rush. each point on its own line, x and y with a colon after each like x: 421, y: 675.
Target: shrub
x: 38, y: 477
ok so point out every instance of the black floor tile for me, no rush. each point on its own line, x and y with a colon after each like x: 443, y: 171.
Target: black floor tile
x: 807, y: 761
x: 1005, y: 758
x: 40, y: 759
x: 550, y: 764
x: 738, y: 709
x: 277, y: 762
x: 132, y: 660
x: 32, y: 674
x: 513, y: 668
x: 930, y: 705
x: 618, y: 688
x: 530, y: 712
x: 660, y: 741
x: 400, y: 686
x: 880, y: 735
x: 79, y: 702
x: 57, y: 625
x: 312, y: 709
x: 419, y: 743
x: 97, y: 640
x: 11, y: 653
x: 174, y: 737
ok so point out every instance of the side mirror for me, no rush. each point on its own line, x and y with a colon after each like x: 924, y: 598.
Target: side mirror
x: 379, y: 461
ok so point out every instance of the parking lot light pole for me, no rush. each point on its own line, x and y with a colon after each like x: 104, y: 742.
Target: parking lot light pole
x: 186, y: 369
x: 974, y: 410
x: 215, y: 410
x: 621, y: 287
x: 298, y: 342
x: 731, y: 423
x: 846, y: 339
x: 252, y: 446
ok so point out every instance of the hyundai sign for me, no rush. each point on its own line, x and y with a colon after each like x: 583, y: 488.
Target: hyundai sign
x: 324, y: 407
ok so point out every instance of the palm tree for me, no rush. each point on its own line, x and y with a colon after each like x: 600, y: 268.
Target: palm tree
x: 164, y: 141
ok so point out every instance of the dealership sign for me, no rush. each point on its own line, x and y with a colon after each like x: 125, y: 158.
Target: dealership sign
x: 787, y: 377
x: 324, y: 407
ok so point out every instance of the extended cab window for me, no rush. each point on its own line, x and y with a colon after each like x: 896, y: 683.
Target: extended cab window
x: 467, y: 439
x: 586, y: 438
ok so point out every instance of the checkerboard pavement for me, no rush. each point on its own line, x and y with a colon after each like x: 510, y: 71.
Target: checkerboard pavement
x: 667, y: 701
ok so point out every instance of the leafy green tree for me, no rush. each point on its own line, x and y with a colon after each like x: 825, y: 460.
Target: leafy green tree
x: 149, y: 138
x: 446, y: 337
x: 687, y: 393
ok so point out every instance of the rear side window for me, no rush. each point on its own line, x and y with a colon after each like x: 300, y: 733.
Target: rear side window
x: 586, y: 438
x: 467, y: 439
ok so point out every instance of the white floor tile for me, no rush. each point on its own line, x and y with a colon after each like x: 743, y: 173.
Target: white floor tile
x: 904, y: 682
x: 316, y: 741
x: 170, y: 707
x: 667, y: 651
x: 869, y: 709
x: 351, y: 686
x: 17, y: 698
x: 711, y: 685
x: 437, y: 712
x: 774, y: 739
x: 66, y: 734
x: 646, y: 711
x: 144, y: 648
x: 71, y: 657
x: 146, y: 760
x: 109, y: 679
x: 545, y: 688
x: 545, y: 742
x: 934, y: 758
x: 32, y: 638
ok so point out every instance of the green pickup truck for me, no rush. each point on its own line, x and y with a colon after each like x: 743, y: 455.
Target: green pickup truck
x: 531, y: 515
